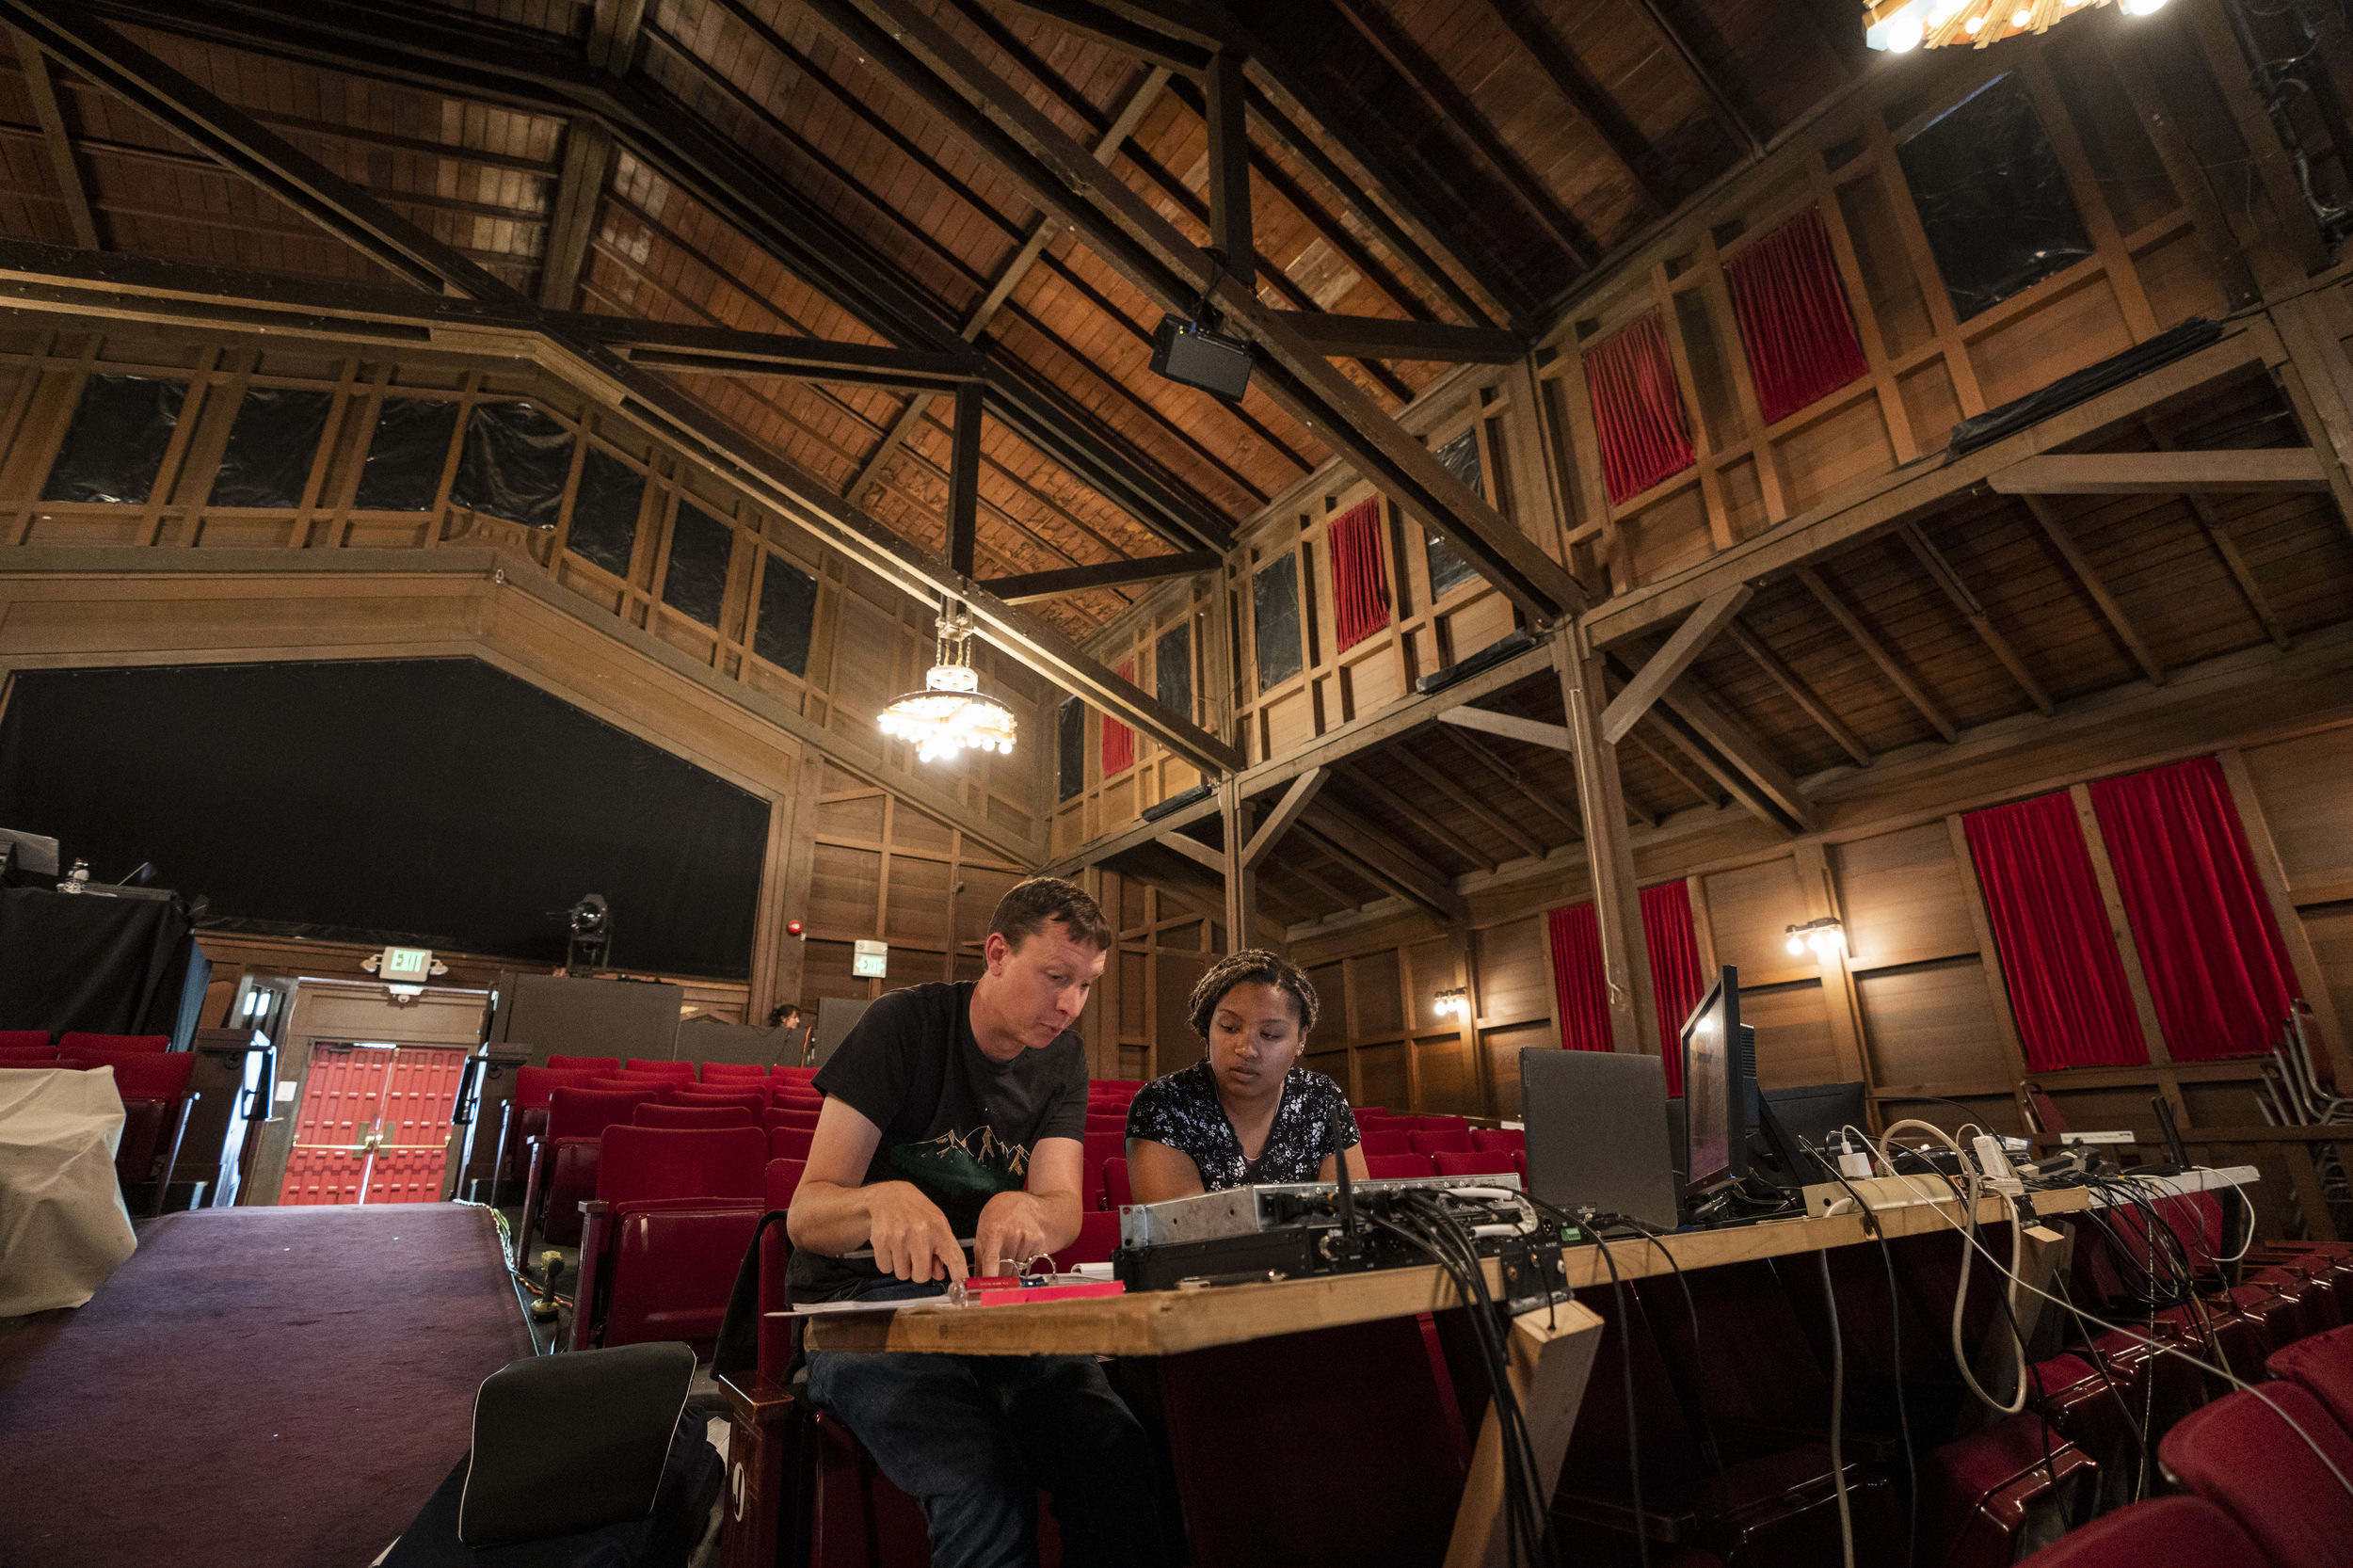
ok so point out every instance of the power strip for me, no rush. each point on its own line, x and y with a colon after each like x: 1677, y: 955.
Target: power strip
x: 1879, y: 1191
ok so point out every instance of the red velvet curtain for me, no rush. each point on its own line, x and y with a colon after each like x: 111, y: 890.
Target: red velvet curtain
x: 1637, y: 408
x: 1794, y: 322
x: 1360, y: 584
x: 2067, y: 986
x: 1119, y: 742
x: 2217, y: 970
x: 1675, y: 977
x: 1577, y: 978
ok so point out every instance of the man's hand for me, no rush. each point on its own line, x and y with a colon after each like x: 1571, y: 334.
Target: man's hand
x: 1013, y: 1230
x: 912, y: 1239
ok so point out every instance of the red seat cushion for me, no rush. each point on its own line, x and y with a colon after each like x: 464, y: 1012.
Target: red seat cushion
x: 2322, y: 1366
x: 750, y: 1099
x: 1448, y: 1141
x: 1098, y: 1234
x: 732, y: 1070
x: 1495, y: 1162
x: 1445, y: 1124
x: 653, y: 1113
x: 571, y: 1177
x: 77, y: 1042
x: 2243, y: 1453
x: 145, y: 1123
x: 533, y: 1085
x: 1386, y: 1142
x: 1397, y: 1167
x: 674, y: 1266
x: 45, y: 1057
x: 638, y: 1163
x: 805, y: 1120
x: 584, y: 1113
x: 2163, y: 1532
x: 789, y: 1142
x: 1484, y: 1138
x: 1101, y: 1146
x: 144, y: 1074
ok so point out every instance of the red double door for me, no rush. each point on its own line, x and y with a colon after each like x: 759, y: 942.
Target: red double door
x: 373, y: 1124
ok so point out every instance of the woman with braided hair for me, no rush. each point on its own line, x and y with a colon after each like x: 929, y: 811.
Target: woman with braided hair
x: 1245, y: 1114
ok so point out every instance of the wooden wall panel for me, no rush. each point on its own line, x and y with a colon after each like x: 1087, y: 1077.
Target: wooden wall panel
x: 1503, y: 1048
x: 1514, y: 970
x: 2302, y: 786
x: 2331, y: 927
x: 1450, y: 1078
x: 1375, y: 996
x: 1793, y: 1035
x: 845, y: 894
x: 1901, y: 897
x: 1930, y: 1024
x: 1749, y: 910
x: 1382, y: 1077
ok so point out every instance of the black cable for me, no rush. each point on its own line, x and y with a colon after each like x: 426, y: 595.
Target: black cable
x: 1877, y: 1232
x: 1633, y: 1446
x: 1837, y: 1412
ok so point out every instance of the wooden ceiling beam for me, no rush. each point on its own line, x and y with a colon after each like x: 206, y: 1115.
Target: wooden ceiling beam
x: 614, y: 28
x: 1126, y: 34
x: 1799, y: 693
x: 1421, y: 824
x: 1697, y: 715
x: 1973, y: 611
x: 1346, y: 836
x: 1610, y: 125
x: 2232, y: 472
x: 1736, y: 783
x: 1667, y: 666
x: 579, y: 190
x: 1484, y: 756
x: 1231, y: 235
x: 1533, y: 731
x: 1385, y: 338
x: 341, y: 208
x: 1496, y: 823
x: 1195, y: 850
x: 1873, y: 649
x: 2226, y: 549
x: 964, y: 478
x: 2127, y: 634
x: 1109, y: 574
x: 1720, y: 104
x: 1705, y: 795
x: 805, y: 359
x: 58, y: 141
x: 1121, y: 226
x: 1287, y: 812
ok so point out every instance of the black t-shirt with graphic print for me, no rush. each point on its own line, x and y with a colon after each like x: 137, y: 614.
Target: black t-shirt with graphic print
x: 1183, y: 1112
x: 957, y: 1124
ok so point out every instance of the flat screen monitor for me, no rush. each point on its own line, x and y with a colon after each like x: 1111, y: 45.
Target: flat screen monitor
x: 1789, y: 1120
x: 1714, y: 1120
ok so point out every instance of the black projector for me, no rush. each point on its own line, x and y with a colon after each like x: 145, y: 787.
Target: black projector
x: 1187, y: 352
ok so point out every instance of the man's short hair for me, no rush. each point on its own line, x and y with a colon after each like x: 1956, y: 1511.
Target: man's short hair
x: 1023, y: 912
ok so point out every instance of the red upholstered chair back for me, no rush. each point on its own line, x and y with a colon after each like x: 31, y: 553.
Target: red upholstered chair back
x: 784, y: 1179
x: 731, y: 1069
x: 586, y: 1112
x: 25, y: 1039
x: 805, y: 1120
x: 1117, y: 1126
x: 636, y: 1081
x: 533, y: 1085
x: 1098, y: 1234
x: 1449, y: 1142
x: 750, y: 1099
x: 2242, y: 1454
x: 789, y: 1142
x: 653, y: 1113
x: 1117, y: 1192
x: 1444, y: 1124
x: 776, y: 1259
x: 783, y: 1089
x: 2163, y: 1532
x: 1491, y: 1162
x: 1397, y: 1167
x: 793, y: 1075
x: 2322, y: 1366
x: 1484, y: 1138
x: 664, y: 1069
x: 1101, y: 1146
x: 144, y: 1074
x: 635, y: 1164
x: 1385, y: 1143
x: 45, y: 1057
x: 603, y: 1064
x: 75, y: 1043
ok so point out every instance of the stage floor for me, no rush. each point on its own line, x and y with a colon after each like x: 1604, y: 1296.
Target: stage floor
x: 255, y: 1385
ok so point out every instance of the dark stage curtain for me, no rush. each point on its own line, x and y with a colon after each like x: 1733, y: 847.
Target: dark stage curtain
x: 1119, y: 742
x: 1360, y: 584
x: 1677, y: 980
x: 1794, y: 322
x: 2217, y: 970
x: 1637, y: 408
x: 2067, y: 985
x: 1577, y: 978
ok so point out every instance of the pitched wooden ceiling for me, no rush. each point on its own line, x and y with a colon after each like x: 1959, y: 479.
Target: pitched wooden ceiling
x: 1464, y: 161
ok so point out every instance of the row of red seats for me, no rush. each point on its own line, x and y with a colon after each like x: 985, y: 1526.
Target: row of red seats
x: 703, y: 1071
x: 151, y: 1079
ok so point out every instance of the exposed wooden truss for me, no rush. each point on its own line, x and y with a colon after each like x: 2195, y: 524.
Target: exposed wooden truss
x: 1053, y: 585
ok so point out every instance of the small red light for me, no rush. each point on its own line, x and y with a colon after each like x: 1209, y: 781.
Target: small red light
x: 792, y: 928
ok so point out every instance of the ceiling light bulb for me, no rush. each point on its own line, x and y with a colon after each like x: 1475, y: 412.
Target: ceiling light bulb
x: 1904, y: 32
x: 1797, y: 945
x: 2020, y: 18
x: 1972, y: 26
x: 2141, y: 7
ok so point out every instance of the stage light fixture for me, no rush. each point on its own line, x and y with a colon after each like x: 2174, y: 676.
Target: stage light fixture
x: 1824, y: 936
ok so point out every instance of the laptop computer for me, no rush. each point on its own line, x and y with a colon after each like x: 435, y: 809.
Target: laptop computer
x: 1597, y: 1133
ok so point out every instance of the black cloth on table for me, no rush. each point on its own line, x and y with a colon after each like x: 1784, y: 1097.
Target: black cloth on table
x: 108, y: 965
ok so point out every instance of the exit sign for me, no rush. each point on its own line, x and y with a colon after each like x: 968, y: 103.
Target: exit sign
x: 410, y: 966
x: 870, y: 961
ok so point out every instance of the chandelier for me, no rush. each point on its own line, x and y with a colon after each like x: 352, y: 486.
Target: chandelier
x: 951, y: 712
x: 1899, y: 26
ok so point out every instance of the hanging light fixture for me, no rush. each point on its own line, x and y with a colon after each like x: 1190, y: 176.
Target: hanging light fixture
x: 1454, y: 1001
x: 1824, y: 937
x: 951, y: 712
x: 1899, y: 26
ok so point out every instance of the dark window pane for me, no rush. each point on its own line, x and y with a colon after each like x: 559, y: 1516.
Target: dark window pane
x: 1070, y: 737
x: 1171, y: 671
x: 1450, y: 568
x: 1274, y: 604
x: 403, y: 467
x: 1992, y: 198
x: 115, y: 446
x: 787, y: 608
x: 604, y: 515
x: 701, y: 548
x: 271, y: 447
x: 514, y: 464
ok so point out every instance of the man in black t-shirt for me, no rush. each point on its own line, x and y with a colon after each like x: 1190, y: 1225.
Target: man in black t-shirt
x: 957, y: 1113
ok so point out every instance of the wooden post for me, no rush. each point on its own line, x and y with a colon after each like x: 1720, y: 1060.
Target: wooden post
x: 2310, y: 977
x: 800, y: 868
x: 1552, y: 1351
x: 2120, y: 928
x: 1840, y: 1001
x: 1242, y: 883
x: 1609, y: 853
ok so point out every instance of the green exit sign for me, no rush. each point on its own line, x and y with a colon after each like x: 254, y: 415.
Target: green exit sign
x: 406, y: 964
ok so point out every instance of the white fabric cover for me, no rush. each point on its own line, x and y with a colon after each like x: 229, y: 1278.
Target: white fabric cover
x: 63, y: 1227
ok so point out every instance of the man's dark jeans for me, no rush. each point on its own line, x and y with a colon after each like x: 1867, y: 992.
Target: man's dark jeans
x: 973, y: 1438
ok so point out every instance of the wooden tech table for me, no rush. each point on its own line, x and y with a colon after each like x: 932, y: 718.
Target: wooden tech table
x: 1306, y: 1417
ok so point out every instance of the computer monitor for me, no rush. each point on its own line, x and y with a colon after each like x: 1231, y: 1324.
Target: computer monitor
x: 1789, y: 1120
x: 1719, y: 1088
x: 1597, y: 1132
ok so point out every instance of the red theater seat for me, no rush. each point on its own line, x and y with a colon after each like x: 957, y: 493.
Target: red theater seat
x: 1385, y: 1143
x: 1117, y: 1194
x: 1101, y: 1146
x: 604, y: 1063
x: 751, y: 1100
x: 1498, y: 1162
x: 78, y: 1043
x: 775, y: 1260
x: 732, y: 1070
x: 1485, y: 1139
x: 2243, y: 1455
x: 674, y: 1213
x: 2163, y: 1532
x: 654, y: 1114
x: 25, y: 1039
x: 663, y: 1086
x: 666, y: 1069
x: 45, y: 1057
x: 1397, y: 1167
x: 154, y: 1086
x: 1098, y: 1234
x: 564, y: 1159
x: 1981, y: 1493
x: 1448, y: 1141
x: 526, y: 1113
x: 805, y: 1120
x: 1445, y: 1124
x: 789, y: 1142
x: 2322, y: 1366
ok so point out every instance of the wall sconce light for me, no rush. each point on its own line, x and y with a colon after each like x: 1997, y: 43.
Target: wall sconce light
x: 1454, y: 1000
x: 1825, y: 936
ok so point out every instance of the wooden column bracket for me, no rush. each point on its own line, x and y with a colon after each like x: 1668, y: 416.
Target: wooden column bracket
x: 1287, y: 811
x: 1552, y: 1352
x: 964, y: 480
x: 1667, y: 666
x: 1230, y: 168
